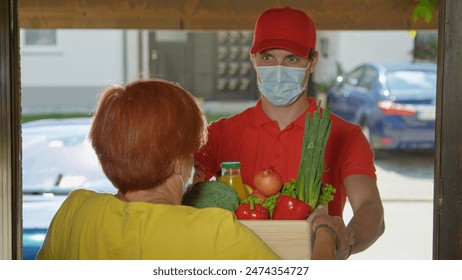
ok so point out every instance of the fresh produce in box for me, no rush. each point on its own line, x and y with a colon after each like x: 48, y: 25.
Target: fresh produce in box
x: 211, y: 194
x: 271, y: 200
x: 260, y: 196
x: 296, y: 199
x: 290, y: 208
x: 312, y: 166
x: 250, y: 209
x: 288, y: 189
x: 245, y: 212
x: 268, y: 182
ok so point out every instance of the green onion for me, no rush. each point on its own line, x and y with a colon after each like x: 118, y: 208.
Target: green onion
x: 312, y: 166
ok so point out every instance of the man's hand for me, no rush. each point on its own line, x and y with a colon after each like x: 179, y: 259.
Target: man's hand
x: 345, y: 234
x: 347, y: 239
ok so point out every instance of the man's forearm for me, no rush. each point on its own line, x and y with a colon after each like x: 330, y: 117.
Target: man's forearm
x: 368, y: 225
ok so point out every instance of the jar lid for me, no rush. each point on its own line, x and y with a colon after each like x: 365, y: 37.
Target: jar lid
x: 230, y: 164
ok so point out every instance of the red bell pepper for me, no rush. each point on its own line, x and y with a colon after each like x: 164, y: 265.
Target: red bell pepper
x: 290, y: 208
x: 251, y: 211
x: 258, y: 213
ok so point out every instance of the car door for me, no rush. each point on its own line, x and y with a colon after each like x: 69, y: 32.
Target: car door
x: 361, y: 98
x: 341, y: 100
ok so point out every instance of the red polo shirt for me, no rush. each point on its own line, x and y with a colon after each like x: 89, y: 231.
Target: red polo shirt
x: 256, y: 141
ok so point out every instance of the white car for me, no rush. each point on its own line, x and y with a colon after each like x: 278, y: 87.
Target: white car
x: 57, y: 158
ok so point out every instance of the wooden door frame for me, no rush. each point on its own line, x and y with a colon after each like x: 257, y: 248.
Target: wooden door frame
x: 448, y: 151
x: 10, y: 134
x: 447, y: 226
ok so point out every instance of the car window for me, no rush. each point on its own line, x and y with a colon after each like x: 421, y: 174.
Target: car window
x: 354, y: 77
x: 368, y: 78
x: 408, y: 82
x: 59, y: 158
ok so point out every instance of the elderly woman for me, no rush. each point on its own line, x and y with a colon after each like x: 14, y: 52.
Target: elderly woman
x: 145, y: 135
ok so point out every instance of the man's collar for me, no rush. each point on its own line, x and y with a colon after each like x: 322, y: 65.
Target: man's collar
x: 300, y: 121
x: 261, y: 118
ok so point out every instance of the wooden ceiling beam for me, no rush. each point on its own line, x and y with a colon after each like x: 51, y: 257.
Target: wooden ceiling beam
x: 216, y: 14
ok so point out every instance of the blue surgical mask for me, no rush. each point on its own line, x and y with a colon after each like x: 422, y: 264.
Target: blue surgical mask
x: 281, y: 85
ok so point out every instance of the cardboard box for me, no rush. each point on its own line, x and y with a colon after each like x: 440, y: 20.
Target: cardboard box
x: 290, y: 239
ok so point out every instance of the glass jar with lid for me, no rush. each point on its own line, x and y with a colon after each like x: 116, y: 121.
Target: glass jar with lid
x: 231, y: 175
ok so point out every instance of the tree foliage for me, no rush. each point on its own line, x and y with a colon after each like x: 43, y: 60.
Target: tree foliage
x: 424, y: 9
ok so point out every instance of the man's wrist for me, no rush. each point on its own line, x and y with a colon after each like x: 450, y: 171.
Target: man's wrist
x: 328, y: 229
x: 350, y: 247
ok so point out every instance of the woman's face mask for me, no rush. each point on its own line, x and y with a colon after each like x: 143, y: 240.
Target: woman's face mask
x: 281, y: 85
x: 186, y: 185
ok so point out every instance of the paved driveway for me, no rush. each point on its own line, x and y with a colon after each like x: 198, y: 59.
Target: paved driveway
x: 405, y: 182
x: 406, y: 176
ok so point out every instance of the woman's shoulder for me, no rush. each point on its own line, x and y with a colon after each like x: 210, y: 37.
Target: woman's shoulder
x: 82, y: 193
x: 222, y: 217
x: 80, y: 196
x: 207, y: 212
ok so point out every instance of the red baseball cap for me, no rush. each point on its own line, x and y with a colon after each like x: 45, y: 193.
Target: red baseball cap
x: 284, y: 28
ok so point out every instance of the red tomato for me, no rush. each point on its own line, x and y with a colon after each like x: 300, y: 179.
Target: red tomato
x: 268, y: 182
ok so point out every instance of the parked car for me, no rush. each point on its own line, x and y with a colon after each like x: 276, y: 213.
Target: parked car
x: 393, y: 103
x: 57, y: 158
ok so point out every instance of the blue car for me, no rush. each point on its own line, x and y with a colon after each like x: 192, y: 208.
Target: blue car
x: 57, y: 158
x: 393, y: 103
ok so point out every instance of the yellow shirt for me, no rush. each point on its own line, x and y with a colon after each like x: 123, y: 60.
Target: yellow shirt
x: 91, y: 225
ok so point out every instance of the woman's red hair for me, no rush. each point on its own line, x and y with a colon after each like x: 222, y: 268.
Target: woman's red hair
x: 139, y: 131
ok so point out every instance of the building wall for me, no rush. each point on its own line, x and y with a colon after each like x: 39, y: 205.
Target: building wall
x: 68, y: 77
x: 383, y: 46
x: 203, y: 68
x: 347, y: 49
